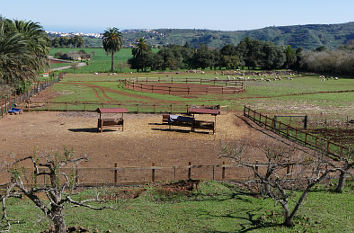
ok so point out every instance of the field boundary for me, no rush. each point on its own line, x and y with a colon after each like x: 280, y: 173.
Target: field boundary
x: 115, y: 176
x: 335, y: 150
x: 201, y: 86
x: 132, y: 108
x: 9, y: 102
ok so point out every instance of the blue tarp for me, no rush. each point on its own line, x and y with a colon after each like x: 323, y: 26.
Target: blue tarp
x: 176, y: 118
x: 15, y: 110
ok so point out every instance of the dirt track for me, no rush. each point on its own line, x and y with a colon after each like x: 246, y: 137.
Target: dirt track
x: 140, y: 144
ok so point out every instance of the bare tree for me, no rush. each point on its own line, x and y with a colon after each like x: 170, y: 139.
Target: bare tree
x: 347, y: 161
x: 59, y: 190
x: 283, y: 171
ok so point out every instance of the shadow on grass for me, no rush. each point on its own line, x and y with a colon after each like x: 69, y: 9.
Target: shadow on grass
x: 253, y: 222
x: 90, y: 130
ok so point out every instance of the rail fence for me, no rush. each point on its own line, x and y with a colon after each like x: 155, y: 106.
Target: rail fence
x: 333, y: 149
x: 10, y: 101
x: 161, y: 86
x: 114, y: 176
x: 132, y: 108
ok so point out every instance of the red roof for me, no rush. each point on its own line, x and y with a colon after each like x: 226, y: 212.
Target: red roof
x: 203, y: 111
x: 111, y: 110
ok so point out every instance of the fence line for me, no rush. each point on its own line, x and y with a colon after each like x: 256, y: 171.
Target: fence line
x: 40, y: 86
x: 224, y: 88
x: 333, y: 149
x: 109, y: 176
x: 92, y: 106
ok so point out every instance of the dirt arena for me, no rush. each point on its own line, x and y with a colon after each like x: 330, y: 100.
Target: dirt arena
x: 142, y: 142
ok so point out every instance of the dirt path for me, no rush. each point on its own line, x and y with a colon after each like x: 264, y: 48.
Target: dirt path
x: 108, y: 99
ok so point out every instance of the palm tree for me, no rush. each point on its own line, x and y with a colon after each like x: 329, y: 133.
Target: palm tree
x: 140, y: 53
x: 112, y: 42
x: 23, y: 50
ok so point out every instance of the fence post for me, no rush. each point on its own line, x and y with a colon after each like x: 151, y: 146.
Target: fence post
x: 76, y: 176
x: 305, y: 138
x: 256, y: 168
x: 223, y: 170
x: 153, y: 172
x: 213, y: 172
x: 189, y: 170
x: 115, y: 174
x: 174, y: 172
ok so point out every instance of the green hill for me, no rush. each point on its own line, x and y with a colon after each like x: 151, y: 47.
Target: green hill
x: 305, y: 36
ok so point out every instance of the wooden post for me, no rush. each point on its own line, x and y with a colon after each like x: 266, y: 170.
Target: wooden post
x: 288, y: 170
x: 189, y: 170
x: 256, y: 168
x: 223, y: 170
x: 76, y: 176
x: 153, y: 173
x: 213, y: 172
x: 115, y: 174
x: 174, y: 172
x: 305, y: 138
x: 265, y: 122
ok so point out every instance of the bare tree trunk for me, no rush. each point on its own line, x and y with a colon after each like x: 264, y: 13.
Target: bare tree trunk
x: 341, y: 182
x: 112, y: 65
x: 58, y: 220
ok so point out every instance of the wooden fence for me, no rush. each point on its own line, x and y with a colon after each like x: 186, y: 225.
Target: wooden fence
x: 109, y: 176
x: 213, y: 87
x: 333, y: 149
x: 92, y: 106
x: 9, y: 102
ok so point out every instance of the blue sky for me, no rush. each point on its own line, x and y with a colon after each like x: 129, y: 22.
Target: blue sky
x: 94, y: 16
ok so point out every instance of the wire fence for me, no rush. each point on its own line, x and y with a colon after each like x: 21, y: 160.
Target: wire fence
x: 298, y: 135
x: 10, y: 101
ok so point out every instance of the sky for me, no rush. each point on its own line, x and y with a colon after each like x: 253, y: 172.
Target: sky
x: 97, y: 15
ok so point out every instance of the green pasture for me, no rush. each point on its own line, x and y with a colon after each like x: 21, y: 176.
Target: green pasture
x: 270, y: 97
x: 100, y: 61
x: 215, y: 207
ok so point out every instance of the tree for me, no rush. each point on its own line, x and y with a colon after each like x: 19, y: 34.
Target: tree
x: 284, y: 170
x: 59, y: 191
x: 23, y: 50
x: 347, y: 160
x: 142, y: 55
x: 290, y: 57
x: 112, y: 42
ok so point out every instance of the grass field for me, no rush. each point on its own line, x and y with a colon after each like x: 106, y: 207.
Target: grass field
x: 215, y: 207
x: 100, y: 61
x: 298, y: 95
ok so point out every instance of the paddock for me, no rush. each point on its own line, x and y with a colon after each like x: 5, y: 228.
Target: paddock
x: 144, y: 140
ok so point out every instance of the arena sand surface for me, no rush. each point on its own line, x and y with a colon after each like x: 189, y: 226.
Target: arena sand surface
x: 143, y: 142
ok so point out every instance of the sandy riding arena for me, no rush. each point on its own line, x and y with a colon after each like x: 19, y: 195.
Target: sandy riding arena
x: 142, y: 142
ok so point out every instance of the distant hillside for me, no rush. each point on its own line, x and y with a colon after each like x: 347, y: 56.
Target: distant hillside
x: 305, y: 36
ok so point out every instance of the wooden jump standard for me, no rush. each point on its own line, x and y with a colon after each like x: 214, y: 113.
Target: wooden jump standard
x: 191, y: 121
x: 110, y: 122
